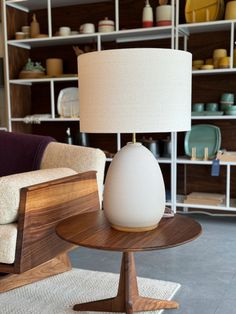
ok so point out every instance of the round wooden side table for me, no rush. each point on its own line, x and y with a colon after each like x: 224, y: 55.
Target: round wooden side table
x: 92, y: 230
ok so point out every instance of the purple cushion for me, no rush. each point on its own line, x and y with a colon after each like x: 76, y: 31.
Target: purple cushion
x: 21, y: 152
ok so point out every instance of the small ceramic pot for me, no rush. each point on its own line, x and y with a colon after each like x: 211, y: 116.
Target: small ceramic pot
x: 212, y: 106
x: 152, y: 145
x: 20, y: 35
x: 106, y: 25
x: 227, y: 98
x: 163, y: 15
x: 54, y: 67
x: 198, y: 107
x: 87, y: 28
x: 64, y: 31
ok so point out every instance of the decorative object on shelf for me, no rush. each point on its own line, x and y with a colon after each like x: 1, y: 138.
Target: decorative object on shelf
x: 163, y: 13
x: 202, y: 198
x: 219, y: 60
x: 34, y: 27
x: 198, y: 107
x: 128, y: 91
x: 19, y: 35
x: 78, y: 51
x: 226, y: 156
x: 36, y: 118
x: 68, y: 102
x: 230, y: 10
x: 74, y: 33
x: 152, y: 145
x: 54, y: 67
x: 82, y: 139
x: 147, y: 17
x: 202, y: 136
x: 207, y: 113
x: 32, y: 70
x: 227, y: 98
x: 197, y: 11
x: 26, y: 30
x: 212, y: 106
x: 69, y: 139
x: 226, y: 102
x: 231, y: 111
x: 64, y: 31
x: 197, y: 64
x: 217, y: 55
x: 166, y: 147
x: 87, y: 28
x: 106, y: 25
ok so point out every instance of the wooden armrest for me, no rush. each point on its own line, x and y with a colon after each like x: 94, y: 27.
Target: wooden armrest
x: 42, y: 206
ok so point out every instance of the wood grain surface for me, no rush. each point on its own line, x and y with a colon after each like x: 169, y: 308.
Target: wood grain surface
x: 93, y: 230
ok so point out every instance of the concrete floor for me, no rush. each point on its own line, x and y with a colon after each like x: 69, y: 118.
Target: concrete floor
x: 205, y: 267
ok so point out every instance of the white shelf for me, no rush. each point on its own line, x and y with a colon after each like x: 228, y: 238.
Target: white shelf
x: 202, y: 162
x: 163, y: 160
x: 129, y: 35
x: 214, y: 26
x: 43, y: 80
x: 31, y: 5
x: 138, y: 34
x: 206, y: 207
x: 47, y: 120
x: 54, y: 41
x: 224, y: 117
x: 213, y: 72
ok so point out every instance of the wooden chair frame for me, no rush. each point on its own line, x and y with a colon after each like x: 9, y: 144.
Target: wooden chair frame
x: 40, y: 253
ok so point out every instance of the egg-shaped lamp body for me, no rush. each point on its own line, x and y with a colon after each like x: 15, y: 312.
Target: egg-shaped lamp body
x: 134, y: 191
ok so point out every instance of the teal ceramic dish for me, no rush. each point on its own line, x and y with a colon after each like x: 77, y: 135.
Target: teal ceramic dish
x: 213, y: 113
x: 201, y: 136
x: 230, y: 112
x: 207, y: 113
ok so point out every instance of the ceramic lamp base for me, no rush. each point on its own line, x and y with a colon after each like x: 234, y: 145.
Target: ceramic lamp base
x: 134, y: 192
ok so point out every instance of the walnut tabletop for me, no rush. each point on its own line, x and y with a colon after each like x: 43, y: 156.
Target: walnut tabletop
x: 92, y: 230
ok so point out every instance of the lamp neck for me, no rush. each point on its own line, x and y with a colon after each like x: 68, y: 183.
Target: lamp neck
x: 134, y: 138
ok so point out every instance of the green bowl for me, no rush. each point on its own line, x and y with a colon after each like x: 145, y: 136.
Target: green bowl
x: 230, y: 112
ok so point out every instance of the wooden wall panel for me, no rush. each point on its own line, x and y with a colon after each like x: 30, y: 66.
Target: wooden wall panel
x: 15, y: 19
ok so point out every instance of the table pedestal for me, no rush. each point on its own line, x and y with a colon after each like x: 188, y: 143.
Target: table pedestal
x: 128, y: 299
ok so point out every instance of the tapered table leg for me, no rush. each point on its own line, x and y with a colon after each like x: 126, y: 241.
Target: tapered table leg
x: 127, y: 299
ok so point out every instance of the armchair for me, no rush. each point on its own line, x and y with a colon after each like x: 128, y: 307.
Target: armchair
x: 69, y: 181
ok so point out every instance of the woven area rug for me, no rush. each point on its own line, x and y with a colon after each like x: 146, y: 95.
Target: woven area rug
x: 58, y: 294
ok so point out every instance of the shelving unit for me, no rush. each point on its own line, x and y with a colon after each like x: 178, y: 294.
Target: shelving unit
x: 208, y: 85
x: 22, y: 93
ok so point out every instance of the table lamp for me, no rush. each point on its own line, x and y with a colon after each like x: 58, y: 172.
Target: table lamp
x: 136, y: 90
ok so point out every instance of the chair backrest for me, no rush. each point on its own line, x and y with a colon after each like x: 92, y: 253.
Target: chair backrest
x: 21, y: 152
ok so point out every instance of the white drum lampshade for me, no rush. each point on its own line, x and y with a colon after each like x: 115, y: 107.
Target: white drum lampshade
x: 135, y: 91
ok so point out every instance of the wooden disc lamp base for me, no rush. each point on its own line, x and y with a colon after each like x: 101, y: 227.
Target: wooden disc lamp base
x: 136, y: 229
x: 128, y: 299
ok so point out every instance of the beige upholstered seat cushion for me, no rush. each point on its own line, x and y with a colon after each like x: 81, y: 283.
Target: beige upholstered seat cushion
x: 10, y: 189
x: 8, y: 234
